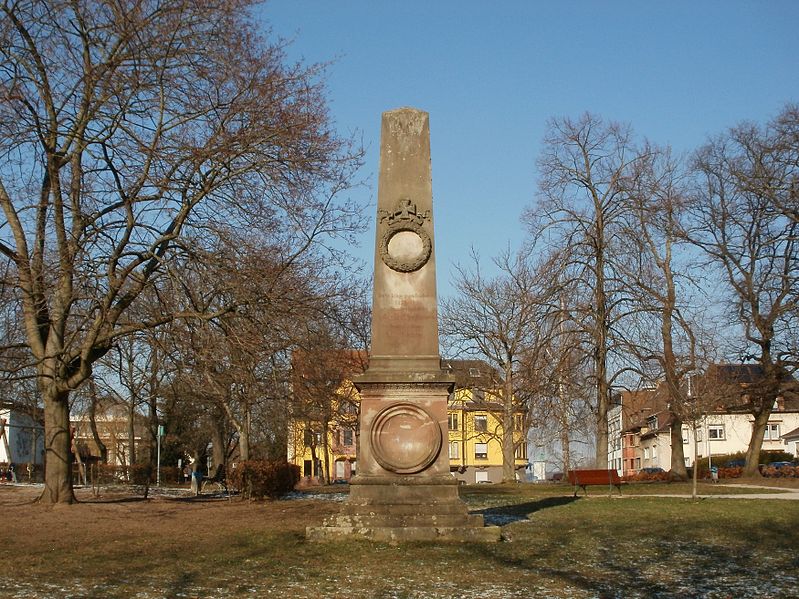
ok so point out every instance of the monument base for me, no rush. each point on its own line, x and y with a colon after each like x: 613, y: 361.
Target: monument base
x: 405, y: 508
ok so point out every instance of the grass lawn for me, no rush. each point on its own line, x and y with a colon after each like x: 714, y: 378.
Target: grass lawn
x: 556, y: 546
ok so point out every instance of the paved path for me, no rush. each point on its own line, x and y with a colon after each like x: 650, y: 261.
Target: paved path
x: 778, y: 493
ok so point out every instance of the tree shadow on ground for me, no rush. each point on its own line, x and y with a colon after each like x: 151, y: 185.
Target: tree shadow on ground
x: 110, y: 500
x: 661, y: 563
x: 508, y: 514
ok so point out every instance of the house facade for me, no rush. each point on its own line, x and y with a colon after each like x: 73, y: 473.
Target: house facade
x: 113, y: 429
x: 723, y: 427
x: 475, y: 425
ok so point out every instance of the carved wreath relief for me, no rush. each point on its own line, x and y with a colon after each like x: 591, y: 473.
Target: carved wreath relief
x: 405, y: 245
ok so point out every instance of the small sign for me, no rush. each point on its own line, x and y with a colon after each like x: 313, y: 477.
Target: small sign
x: 160, y: 430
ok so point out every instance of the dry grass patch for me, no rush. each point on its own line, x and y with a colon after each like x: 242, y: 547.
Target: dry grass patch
x: 556, y: 546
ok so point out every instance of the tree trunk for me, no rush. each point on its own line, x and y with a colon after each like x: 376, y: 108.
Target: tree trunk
x: 244, y: 445
x: 695, y: 476
x: 326, y: 452
x: 218, y: 445
x: 57, y: 441
x: 131, y: 432
x: 602, y: 423
x: 678, y: 471
x: 756, y: 442
x: 563, y: 416
x: 508, y: 446
x: 601, y: 349
x: 101, y: 447
x: 152, y: 416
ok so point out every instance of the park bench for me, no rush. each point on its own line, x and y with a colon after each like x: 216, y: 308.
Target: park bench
x: 584, y: 478
x: 218, y: 480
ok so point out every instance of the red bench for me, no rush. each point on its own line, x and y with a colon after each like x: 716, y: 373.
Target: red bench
x: 584, y: 478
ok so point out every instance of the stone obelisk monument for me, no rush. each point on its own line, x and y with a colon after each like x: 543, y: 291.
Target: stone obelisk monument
x: 403, y: 489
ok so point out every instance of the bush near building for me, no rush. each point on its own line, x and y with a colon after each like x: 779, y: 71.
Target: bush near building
x: 257, y: 479
x: 731, y: 465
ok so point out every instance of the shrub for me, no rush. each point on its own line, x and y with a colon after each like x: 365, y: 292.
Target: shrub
x: 141, y: 474
x: 769, y: 457
x: 649, y: 476
x: 734, y: 472
x: 256, y: 479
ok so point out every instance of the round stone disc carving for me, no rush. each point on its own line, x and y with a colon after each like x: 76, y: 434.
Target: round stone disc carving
x: 405, y: 438
x: 405, y: 248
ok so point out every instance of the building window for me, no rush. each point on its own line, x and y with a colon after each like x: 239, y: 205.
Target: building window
x: 454, y: 420
x: 518, y: 422
x: 312, y: 439
x: 481, y: 451
x: 685, y: 434
x: 646, y: 453
x: 521, y: 452
x: 715, y: 432
x: 346, y: 436
x: 772, y: 432
x: 474, y: 372
x: 481, y: 423
x: 454, y: 450
x: 481, y: 476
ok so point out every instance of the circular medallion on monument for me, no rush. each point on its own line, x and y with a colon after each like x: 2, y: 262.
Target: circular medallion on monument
x: 405, y: 246
x: 405, y: 438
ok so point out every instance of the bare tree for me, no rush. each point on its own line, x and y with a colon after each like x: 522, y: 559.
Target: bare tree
x: 496, y: 318
x: 324, y: 397
x: 768, y: 160
x: 557, y: 373
x: 753, y: 245
x: 583, y: 168
x: 127, y: 132
x: 663, y: 333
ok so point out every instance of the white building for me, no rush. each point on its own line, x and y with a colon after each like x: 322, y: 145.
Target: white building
x: 717, y: 434
x: 644, y: 426
x: 21, y: 437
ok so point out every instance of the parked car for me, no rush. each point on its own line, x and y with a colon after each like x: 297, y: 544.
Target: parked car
x: 735, y: 463
x: 779, y: 465
x: 652, y: 470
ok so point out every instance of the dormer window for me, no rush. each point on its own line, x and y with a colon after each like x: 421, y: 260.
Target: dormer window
x: 474, y: 372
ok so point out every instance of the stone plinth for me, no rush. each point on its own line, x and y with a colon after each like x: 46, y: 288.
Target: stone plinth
x: 405, y: 508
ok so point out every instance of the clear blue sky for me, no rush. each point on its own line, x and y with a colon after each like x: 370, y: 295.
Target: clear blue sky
x: 491, y: 73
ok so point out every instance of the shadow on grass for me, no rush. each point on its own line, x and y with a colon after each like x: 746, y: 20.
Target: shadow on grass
x: 111, y: 500
x: 197, y: 499
x: 501, y: 516
x: 661, y: 561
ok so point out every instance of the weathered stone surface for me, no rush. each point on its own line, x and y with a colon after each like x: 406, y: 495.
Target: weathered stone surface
x: 404, y: 490
x: 404, y: 309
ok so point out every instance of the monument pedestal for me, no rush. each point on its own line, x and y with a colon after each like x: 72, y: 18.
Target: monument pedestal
x: 404, y: 490
x: 405, y: 508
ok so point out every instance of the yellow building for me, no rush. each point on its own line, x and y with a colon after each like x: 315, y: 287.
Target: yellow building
x: 475, y: 425
x: 323, y: 436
